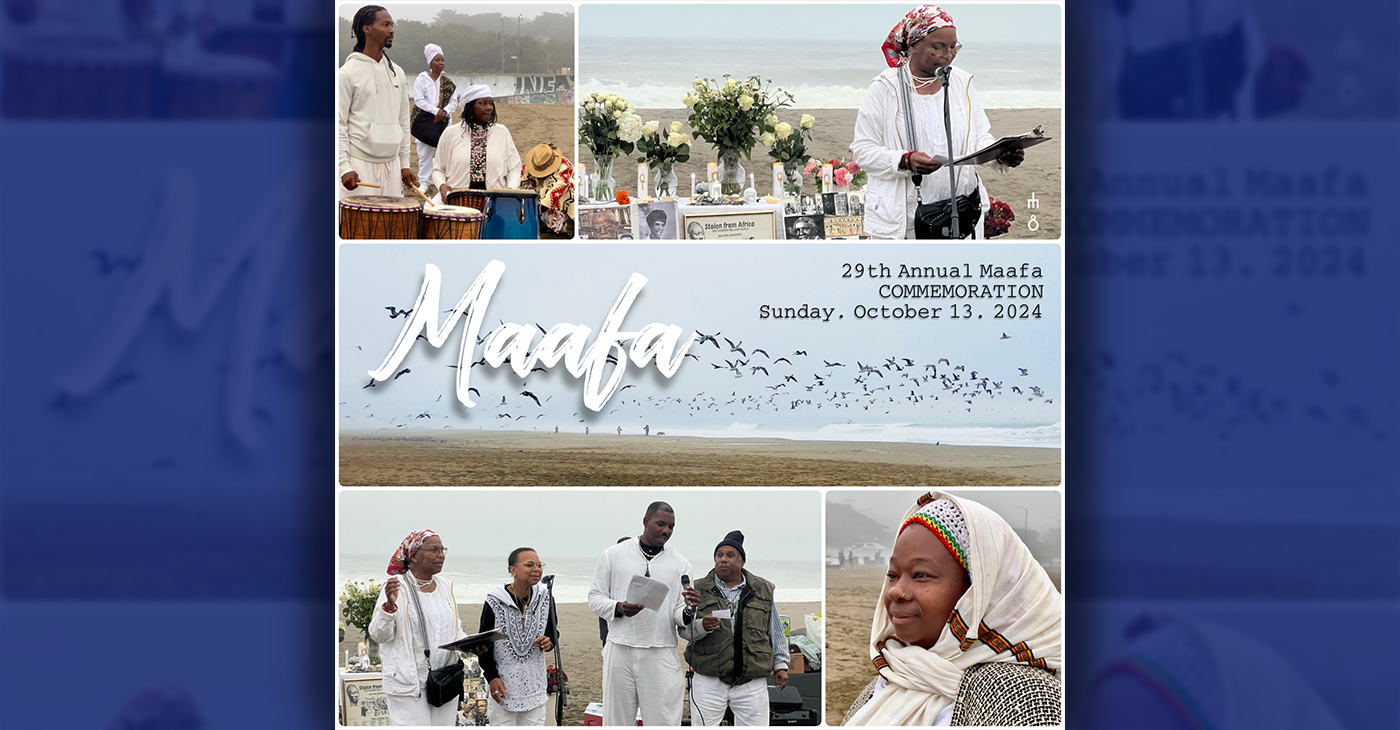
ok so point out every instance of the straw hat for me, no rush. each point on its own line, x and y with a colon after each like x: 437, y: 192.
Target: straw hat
x: 542, y: 161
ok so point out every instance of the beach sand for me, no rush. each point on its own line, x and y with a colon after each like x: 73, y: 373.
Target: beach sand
x: 464, y: 458
x: 850, y: 605
x: 1040, y: 173
x: 530, y: 125
x: 582, y: 651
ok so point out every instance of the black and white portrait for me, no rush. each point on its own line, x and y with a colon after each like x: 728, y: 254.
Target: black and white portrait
x: 790, y: 206
x: 856, y: 203
x: 809, y: 205
x: 657, y: 221
x: 829, y: 203
x: 804, y: 228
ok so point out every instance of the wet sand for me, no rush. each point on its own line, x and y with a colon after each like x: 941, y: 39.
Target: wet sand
x: 1041, y: 172
x: 582, y: 651
x: 479, y: 458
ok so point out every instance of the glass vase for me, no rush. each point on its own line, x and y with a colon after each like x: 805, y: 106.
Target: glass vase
x: 666, y: 180
x: 792, y: 180
x: 731, y: 173
x: 606, y: 189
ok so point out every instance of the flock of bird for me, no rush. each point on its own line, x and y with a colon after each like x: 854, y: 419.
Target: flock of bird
x: 768, y: 383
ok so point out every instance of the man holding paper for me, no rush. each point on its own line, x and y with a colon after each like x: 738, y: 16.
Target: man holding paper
x: 737, y: 643
x: 637, y: 588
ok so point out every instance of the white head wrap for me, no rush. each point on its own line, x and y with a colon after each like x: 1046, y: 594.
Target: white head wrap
x: 474, y: 92
x: 431, y: 50
x: 1011, y: 613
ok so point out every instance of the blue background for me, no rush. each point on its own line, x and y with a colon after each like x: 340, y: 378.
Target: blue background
x: 167, y: 281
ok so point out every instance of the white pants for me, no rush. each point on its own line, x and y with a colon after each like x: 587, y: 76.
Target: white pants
x: 425, y: 162
x: 383, y: 174
x: 497, y: 714
x: 709, y: 696
x: 650, y: 679
x: 410, y: 711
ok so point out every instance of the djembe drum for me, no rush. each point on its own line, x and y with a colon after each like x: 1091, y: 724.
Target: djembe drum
x: 444, y: 222
x: 468, y: 199
x: 512, y: 215
x: 379, y: 217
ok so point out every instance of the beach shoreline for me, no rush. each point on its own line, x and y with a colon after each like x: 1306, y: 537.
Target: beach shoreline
x: 392, y: 457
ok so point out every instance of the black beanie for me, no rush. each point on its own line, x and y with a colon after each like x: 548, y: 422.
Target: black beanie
x: 735, y: 540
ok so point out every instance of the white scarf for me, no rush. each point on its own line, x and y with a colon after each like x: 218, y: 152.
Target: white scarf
x: 1010, y: 594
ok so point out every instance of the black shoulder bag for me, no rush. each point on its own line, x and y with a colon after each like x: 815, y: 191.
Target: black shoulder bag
x: 444, y: 683
x: 932, y: 220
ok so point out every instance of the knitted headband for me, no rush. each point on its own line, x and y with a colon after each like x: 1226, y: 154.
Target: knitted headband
x: 944, y: 519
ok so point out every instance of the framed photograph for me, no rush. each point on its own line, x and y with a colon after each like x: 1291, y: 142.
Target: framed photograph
x: 804, y: 227
x: 731, y: 225
x: 606, y: 222
x: 363, y: 701
x: 657, y: 221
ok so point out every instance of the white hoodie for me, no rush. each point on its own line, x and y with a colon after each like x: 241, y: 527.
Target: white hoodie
x: 371, y: 113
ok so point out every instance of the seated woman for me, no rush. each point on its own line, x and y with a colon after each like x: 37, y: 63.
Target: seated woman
x: 515, y: 665
x: 481, y: 155
x: 551, y: 175
x: 968, y: 629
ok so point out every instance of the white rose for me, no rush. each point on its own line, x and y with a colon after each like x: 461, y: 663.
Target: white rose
x: 650, y: 127
x: 783, y: 130
x: 730, y: 84
x: 745, y: 102
x: 808, y: 120
x: 699, y: 84
x: 688, y: 100
x: 771, y: 120
x: 767, y: 139
x: 676, y: 127
x: 676, y: 140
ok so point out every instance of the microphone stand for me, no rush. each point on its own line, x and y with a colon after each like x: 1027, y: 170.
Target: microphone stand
x: 558, y: 663
x: 946, y: 73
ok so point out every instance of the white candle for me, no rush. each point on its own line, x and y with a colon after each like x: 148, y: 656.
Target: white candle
x: 712, y: 172
x: 692, y: 184
x: 643, y: 181
x: 778, y: 179
x: 581, y: 181
x: 826, y: 178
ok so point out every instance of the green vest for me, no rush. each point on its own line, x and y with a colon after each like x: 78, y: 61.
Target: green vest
x: 720, y: 652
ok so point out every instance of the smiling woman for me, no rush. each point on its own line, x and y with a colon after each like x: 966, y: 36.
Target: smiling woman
x: 515, y: 665
x: 967, y: 621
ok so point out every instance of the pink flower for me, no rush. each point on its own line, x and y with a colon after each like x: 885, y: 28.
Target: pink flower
x: 852, y: 167
x: 841, y: 176
x: 811, y: 165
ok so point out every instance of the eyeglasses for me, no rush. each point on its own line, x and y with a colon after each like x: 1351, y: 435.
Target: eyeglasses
x: 532, y: 565
x: 434, y: 550
x: 941, y: 49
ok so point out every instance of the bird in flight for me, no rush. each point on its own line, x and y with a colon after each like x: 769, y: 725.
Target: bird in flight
x: 395, y: 312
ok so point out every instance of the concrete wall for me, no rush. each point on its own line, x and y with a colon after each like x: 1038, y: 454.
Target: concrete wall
x: 523, y: 88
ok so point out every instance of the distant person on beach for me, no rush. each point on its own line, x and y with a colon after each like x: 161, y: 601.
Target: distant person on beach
x: 966, y: 621
x: 433, y: 103
x: 515, y: 666
x: 480, y: 154
x: 371, y: 112
x: 733, y: 657
x: 416, y: 584
x: 892, y: 148
x: 641, y: 669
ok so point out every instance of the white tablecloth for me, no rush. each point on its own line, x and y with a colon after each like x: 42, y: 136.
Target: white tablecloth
x: 685, y: 208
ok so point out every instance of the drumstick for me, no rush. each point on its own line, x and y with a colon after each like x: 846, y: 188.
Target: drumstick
x: 420, y: 194
x: 366, y: 185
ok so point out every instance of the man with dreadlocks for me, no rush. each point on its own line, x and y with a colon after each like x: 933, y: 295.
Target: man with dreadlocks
x: 371, y: 114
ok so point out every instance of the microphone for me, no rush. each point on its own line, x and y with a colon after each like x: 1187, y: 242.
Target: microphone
x: 943, y: 72
x: 685, y: 583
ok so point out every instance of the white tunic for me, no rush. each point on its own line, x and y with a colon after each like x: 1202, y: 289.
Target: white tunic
x: 615, y: 569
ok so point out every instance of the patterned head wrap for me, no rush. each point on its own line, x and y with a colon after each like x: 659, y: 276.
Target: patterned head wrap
x: 398, y: 564
x: 944, y: 519
x: 918, y: 23
x: 430, y: 51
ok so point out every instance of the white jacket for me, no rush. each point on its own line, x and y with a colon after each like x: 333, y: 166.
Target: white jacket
x: 371, y: 113
x: 401, y: 640
x: 880, y: 142
x: 453, y: 162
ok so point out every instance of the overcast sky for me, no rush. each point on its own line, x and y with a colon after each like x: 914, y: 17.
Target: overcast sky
x: 778, y: 524
x: 425, y: 12
x: 887, y: 507
x: 976, y: 23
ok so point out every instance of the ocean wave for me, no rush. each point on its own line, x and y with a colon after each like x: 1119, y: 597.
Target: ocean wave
x: 1045, y: 436
x: 666, y: 96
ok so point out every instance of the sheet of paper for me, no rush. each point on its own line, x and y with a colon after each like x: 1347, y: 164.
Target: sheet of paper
x: 649, y: 592
x: 723, y: 613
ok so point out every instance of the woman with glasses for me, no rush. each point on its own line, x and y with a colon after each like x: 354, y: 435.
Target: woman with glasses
x: 515, y: 665
x: 416, y: 604
x: 900, y: 130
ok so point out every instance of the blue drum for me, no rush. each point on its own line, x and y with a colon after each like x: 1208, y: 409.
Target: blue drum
x: 511, y: 215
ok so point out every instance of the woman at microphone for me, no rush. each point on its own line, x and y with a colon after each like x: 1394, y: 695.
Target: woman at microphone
x: 900, y: 131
